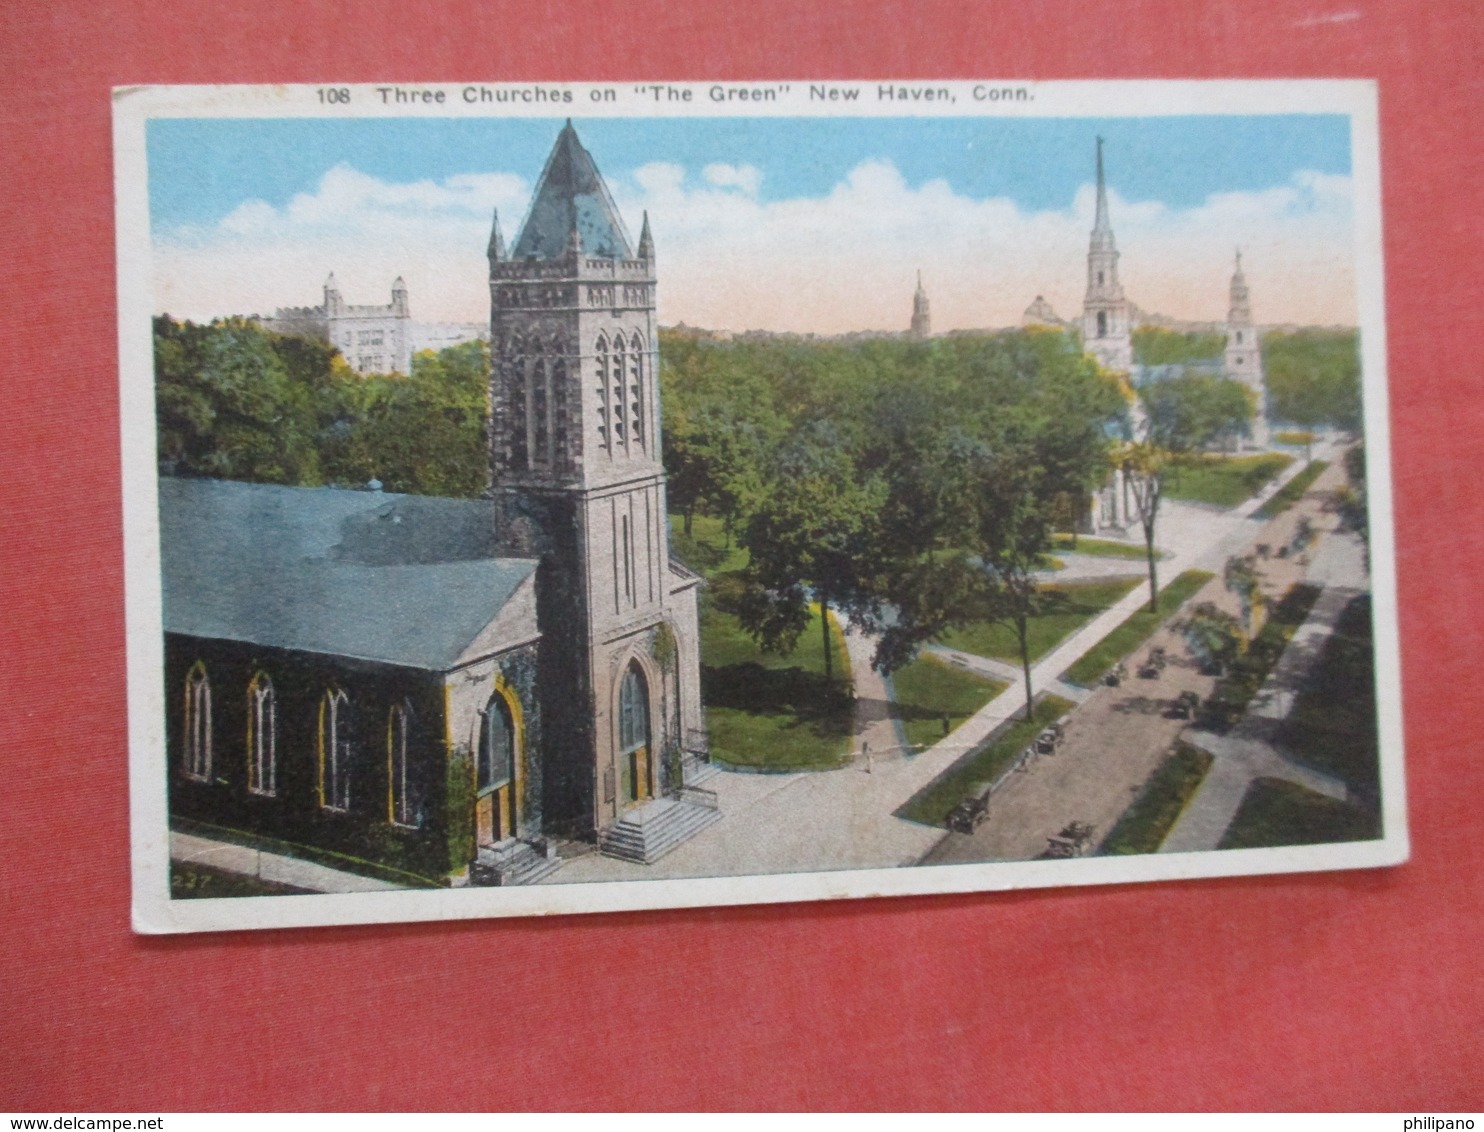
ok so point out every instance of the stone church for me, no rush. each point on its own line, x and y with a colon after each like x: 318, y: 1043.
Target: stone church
x: 439, y: 690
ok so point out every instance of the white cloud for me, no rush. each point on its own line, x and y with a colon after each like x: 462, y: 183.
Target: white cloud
x: 843, y: 261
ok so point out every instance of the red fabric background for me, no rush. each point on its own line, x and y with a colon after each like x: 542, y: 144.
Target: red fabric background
x: 1344, y: 990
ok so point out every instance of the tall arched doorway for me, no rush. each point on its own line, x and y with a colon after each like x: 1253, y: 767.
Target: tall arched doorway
x: 496, y: 812
x: 633, y: 736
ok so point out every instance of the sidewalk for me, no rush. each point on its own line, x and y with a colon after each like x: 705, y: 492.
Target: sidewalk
x: 190, y: 849
x: 1250, y: 751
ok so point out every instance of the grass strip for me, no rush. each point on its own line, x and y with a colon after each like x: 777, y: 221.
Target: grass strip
x: 1224, y: 480
x: 1098, y: 547
x: 929, y: 690
x: 1137, y: 628
x: 980, y: 767
x: 1234, y: 691
x: 1145, y: 825
x: 1277, y: 812
x: 772, y: 712
x: 1291, y: 492
x: 1065, y: 608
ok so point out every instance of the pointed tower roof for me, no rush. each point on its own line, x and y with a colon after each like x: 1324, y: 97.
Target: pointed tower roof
x: 330, y: 284
x: 399, y: 284
x: 571, y: 197
x: 920, y: 291
x: 497, y: 241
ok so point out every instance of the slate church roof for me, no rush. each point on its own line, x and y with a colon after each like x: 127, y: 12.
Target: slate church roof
x: 401, y: 579
x: 571, y: 195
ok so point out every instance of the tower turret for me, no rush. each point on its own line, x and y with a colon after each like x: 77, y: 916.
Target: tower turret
x: 399, y: 298
x: 496, y: 250
x: 334, y: 304
x: 646, y: 241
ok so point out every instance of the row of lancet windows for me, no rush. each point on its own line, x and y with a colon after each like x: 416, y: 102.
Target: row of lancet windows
x: 495, y: 762
x: 335, y: 745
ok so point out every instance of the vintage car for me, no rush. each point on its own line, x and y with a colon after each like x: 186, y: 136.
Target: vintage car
x: 1075, y: 839
x: 1184, y: 706
x: 968, y: 814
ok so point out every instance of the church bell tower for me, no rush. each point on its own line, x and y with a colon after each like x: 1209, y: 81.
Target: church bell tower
x: 576, y: 478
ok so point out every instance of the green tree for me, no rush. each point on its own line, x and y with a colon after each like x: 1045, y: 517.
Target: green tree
x: 228, y: 406
x: 1213, y: 634
x: 813, y: 528
x: 1313, y: 377
x: 1156, y: 346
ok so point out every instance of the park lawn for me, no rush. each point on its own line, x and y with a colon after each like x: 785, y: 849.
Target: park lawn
x: 1099, y: 547
x: 1094, y: 664
x: 1145, y: 825
x: 928, y: 689
x: 1277, y: 812
x: 1234, y: 691
x: 191, y: 881
x: 976, y: 770
x: 1291, y: 492
x: 1332, y: 726
x: 1068, y: 607
x: 1224, y: 480
x: 706, y: 550
x: 767, y: 711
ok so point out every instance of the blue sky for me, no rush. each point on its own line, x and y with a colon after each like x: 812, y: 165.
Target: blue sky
x: 806, y: 224
x: 201, y: 169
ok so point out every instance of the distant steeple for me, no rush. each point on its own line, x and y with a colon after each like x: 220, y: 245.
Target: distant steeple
x: 571, y: 204
x: 922, y: 321
x: 1244, y: 352
x: 497, y: 241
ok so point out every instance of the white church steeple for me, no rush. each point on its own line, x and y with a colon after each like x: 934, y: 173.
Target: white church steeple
x: 1244, y: 353
x: 1105, y: 316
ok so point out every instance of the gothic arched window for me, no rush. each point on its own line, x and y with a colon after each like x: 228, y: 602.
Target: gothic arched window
x: 196, y: 750
x: 496, y: 745
x: 334, y: 750
x: 600, y: 349
x: 1102, y: 324
x: 617, y: 374
x: 262, y: 736
x: 404, y: 810
x: 636, y: 389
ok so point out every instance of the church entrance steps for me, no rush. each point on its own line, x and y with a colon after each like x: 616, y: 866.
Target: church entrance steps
x: 646, y: 833
x: 511, y: 863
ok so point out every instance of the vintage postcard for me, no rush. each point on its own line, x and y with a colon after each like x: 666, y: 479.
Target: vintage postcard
x: 576, y: 497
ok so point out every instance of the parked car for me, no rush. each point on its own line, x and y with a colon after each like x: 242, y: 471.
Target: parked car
x: 1075, y: 839
x: 968, y: 814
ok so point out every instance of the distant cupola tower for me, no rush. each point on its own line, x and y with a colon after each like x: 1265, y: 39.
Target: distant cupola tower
x: 1244, y: 353
x: 575, y: 473
x: 922, y: 319
x: 1105, y: 315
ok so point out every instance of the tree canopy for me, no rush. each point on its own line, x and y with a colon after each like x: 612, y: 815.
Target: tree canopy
x: 1313, y: 377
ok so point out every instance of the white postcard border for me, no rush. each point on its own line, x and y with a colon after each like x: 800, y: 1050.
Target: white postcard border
x: 153, y: 909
